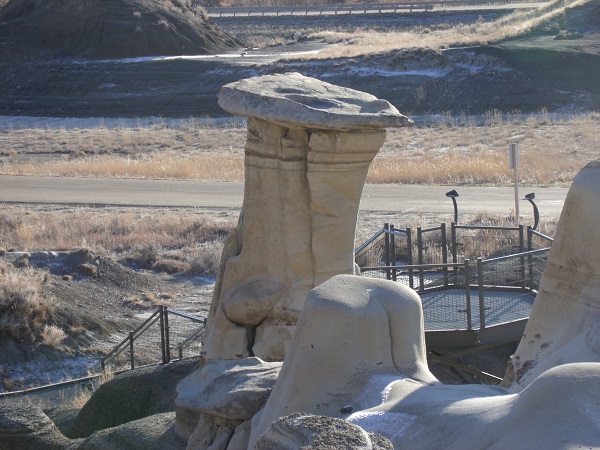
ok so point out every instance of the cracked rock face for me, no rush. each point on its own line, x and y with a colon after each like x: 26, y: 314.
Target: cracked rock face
x: 307, y: 154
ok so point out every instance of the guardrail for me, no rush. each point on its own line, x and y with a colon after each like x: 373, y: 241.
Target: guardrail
x: 356, y: 8
x: 363, y: 8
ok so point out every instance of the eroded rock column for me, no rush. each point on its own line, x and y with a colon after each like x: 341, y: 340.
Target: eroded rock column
x: 308, y: 150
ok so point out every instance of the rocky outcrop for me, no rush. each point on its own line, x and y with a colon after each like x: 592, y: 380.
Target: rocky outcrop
x: 307, y: 154
x: 131, y: 396
x: 319, y: 433
x: 26, y: 427
x: 217, y: 401
x: 155, y: 432
x: 564, y: 326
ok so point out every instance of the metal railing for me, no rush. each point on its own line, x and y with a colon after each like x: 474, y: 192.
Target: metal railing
x: 494, y: 291
x: 456, y: 294
x: 165, y: 333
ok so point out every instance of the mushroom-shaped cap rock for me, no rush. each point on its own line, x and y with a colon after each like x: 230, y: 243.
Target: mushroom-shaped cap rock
x: 295, y: 101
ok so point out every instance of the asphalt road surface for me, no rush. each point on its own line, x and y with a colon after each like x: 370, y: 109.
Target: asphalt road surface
x: 414, y: 199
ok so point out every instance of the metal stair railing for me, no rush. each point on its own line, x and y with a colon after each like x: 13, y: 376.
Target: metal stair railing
x: 166, y: 332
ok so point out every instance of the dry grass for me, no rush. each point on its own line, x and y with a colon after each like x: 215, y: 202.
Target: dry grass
x: 24, y: 309
x: 163, y: 240
x: 457, y: 151
x: 550, y: 152
x: 365, y: 42
x: 52, y: 335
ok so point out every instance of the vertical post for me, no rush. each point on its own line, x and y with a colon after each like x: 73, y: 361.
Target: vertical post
x: 409, y: 250
x: 522, y: 258
x: 468, y: 294
x: 481, y: 293
x: 454, y: 251
x: 161, y: 314
x: 131, y: 358
x: 393, y: 252
x: 167, y: 341
x: 420, y: 260
x: 386, y: 250
x: 530, y: 258
x: 444, y: 253
x: 513, y: 157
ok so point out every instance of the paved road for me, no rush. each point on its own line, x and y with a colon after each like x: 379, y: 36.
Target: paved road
x: 415, y: 199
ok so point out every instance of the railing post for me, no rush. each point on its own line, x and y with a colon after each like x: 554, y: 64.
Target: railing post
x: 468, y: 294
x: 420, y: 260
x: 393, y: 252
x: 522, y: 258
x: 132, y: 361
x: 161, y: 316
x: 444, y: 253
x: 386, y: 250
x: 529, y: 258
x: 454, y: 251
x: 411, y: 282
x: 481, y: 293
x: 167, y: 339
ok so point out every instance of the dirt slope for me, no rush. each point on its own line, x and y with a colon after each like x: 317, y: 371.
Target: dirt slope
x: 107, y: 29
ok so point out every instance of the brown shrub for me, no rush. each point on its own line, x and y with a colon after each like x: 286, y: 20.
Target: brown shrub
x: 24, y: 309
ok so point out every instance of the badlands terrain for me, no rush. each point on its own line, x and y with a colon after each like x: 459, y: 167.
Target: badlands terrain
x: 101, y: 292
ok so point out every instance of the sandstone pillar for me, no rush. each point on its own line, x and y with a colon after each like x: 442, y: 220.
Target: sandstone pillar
x: 564, y: 325
x: 307, y: 154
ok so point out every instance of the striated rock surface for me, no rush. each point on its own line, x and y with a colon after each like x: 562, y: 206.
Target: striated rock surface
x: 308, y: 151
x: 564, y: 326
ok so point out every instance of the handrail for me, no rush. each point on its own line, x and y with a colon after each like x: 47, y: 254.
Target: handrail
x: 542, y: 235
x: 186, y: 315
x: 162, y: 314
x: 413, y: 266
x: 486, y: 227
x: 515, y: 255
x: 126, y: 340
x: 369, y: 241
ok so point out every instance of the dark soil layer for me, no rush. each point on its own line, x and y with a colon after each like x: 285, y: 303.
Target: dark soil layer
x: 554, y: 68
x: 107, y: 29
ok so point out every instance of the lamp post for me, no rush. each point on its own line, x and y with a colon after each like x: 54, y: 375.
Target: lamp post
x: 536, y: 212
x: 453, y: 194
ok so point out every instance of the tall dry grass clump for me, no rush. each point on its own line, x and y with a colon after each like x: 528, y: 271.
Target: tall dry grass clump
x: 24, y: 309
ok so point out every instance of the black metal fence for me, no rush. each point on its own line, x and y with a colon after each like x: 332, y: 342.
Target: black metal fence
x: 456, y: 293
x: 166, y: 335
